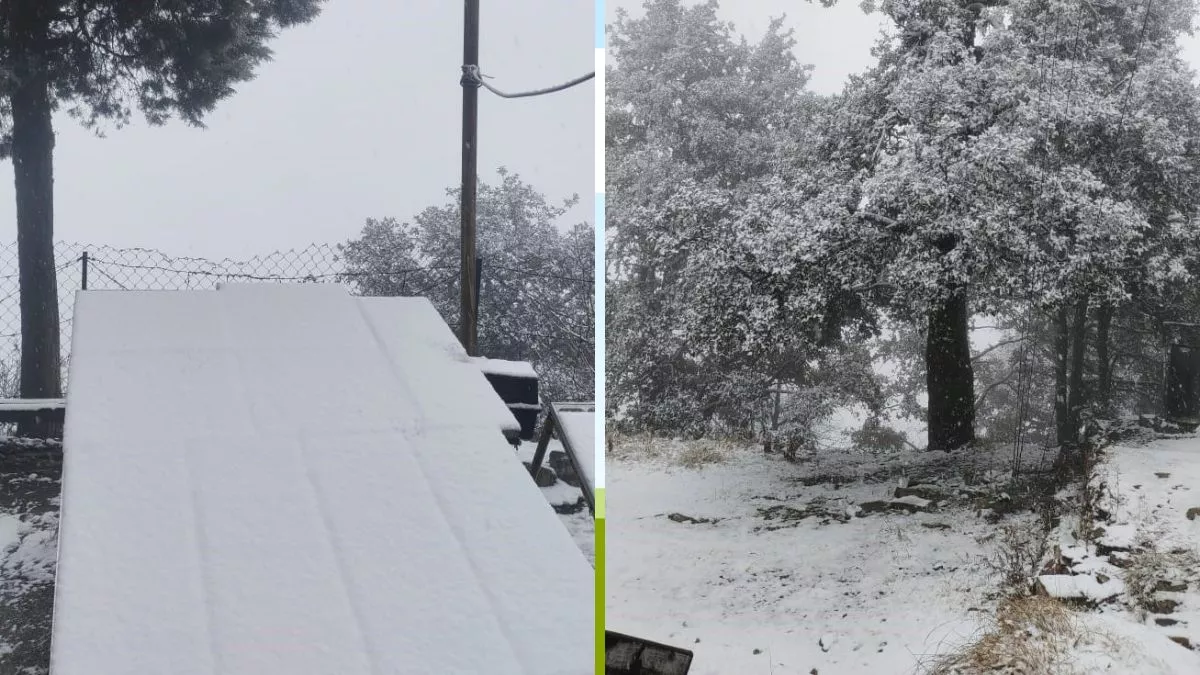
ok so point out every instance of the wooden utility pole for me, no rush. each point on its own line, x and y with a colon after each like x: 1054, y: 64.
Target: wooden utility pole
x: 467, y: 306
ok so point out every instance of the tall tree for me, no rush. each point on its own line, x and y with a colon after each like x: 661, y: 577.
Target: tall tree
x: 1105, y: 171
x: 695, y: 115
x: 99, y: 59
x: 999, y: 155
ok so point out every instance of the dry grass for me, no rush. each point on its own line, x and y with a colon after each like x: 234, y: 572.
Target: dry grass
x: 640, y: 447
x: 699, y: 453
x: 1031, y: 636
x: 690, y: 454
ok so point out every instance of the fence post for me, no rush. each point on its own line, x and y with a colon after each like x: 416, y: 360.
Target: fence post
x: 84, y: 260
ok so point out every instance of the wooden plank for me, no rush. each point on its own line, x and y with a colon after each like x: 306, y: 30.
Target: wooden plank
x: 33, y: 403
x: 585, y: 482
x: 17, y: 410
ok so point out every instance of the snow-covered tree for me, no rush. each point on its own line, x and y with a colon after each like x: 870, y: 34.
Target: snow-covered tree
x: 698, y: 119
x: 536, y: 291
x: 1106, y: 175
x: 1030, y: 160
x: 1000, y: 158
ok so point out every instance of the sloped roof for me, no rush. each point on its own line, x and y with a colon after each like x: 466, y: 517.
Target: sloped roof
x: 289, y: 479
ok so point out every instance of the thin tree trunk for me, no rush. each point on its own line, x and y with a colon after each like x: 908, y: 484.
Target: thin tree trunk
x: 775, y: 406
x: 1075, y: 383
x: 1104, y: 316
x: 950, y: 378
x: 769, y: 436
x: 33, y: 169
x: 1062, y: 348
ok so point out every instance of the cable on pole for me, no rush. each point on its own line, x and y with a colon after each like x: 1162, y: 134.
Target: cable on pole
x: 472, y: 76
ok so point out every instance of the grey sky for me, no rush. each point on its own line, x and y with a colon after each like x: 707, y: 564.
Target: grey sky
x: 837, y: 40
x: 358, y: 115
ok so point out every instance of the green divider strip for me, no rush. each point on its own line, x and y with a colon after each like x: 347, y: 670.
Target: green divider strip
x: 599, y: 581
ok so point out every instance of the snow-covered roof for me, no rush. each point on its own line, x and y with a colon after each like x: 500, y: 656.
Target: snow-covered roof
x: 288, y: 479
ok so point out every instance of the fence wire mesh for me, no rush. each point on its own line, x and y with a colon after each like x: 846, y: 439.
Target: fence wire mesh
x: 107, y: 267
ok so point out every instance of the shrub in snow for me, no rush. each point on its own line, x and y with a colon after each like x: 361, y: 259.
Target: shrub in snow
x: 1150, y: 572
x: 1017, y: 553
x: 875, y: 436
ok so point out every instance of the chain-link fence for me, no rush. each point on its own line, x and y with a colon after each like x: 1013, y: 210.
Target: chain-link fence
x: 81, y: 266
x: 89, y: 267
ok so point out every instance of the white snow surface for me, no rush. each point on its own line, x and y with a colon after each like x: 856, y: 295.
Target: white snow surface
x: 1080, y: 586
x: 1149, y: 490
x: 31, y: 403
x: 912, y: 500
x: 357, y: 512
x: 884, y: 594
x: 10, y: 531
x: 1119, y: 646
x: 580, y: 524
x: 502, y: 367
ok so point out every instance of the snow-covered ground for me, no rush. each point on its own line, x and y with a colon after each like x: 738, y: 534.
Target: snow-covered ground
x: 567, y: 500
x: 29, y: 489
x: 763, y: 590
x: 758, y: 566
x: 1147, y: 546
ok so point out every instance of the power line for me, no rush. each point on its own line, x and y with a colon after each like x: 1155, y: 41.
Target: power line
x: 471, y: 75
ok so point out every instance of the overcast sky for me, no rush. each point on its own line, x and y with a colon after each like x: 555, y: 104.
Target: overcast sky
x: 836, y: 41
x: 359, y: 114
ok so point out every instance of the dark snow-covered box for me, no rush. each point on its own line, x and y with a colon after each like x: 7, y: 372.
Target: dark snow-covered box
x: 517, y: 384
x: 626, y: 655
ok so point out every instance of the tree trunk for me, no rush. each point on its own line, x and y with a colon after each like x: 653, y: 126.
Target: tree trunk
x: 1104, y: 316
x: 33, y: 169
x: 949, y: 376
x: 1075, y: 382
x: 1062, y: 348
x: 775, y: 406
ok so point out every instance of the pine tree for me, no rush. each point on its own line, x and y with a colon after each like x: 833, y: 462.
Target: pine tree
x: 99, y: 59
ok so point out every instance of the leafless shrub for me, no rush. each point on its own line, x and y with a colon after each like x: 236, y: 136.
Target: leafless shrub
x: 1017, y: 554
